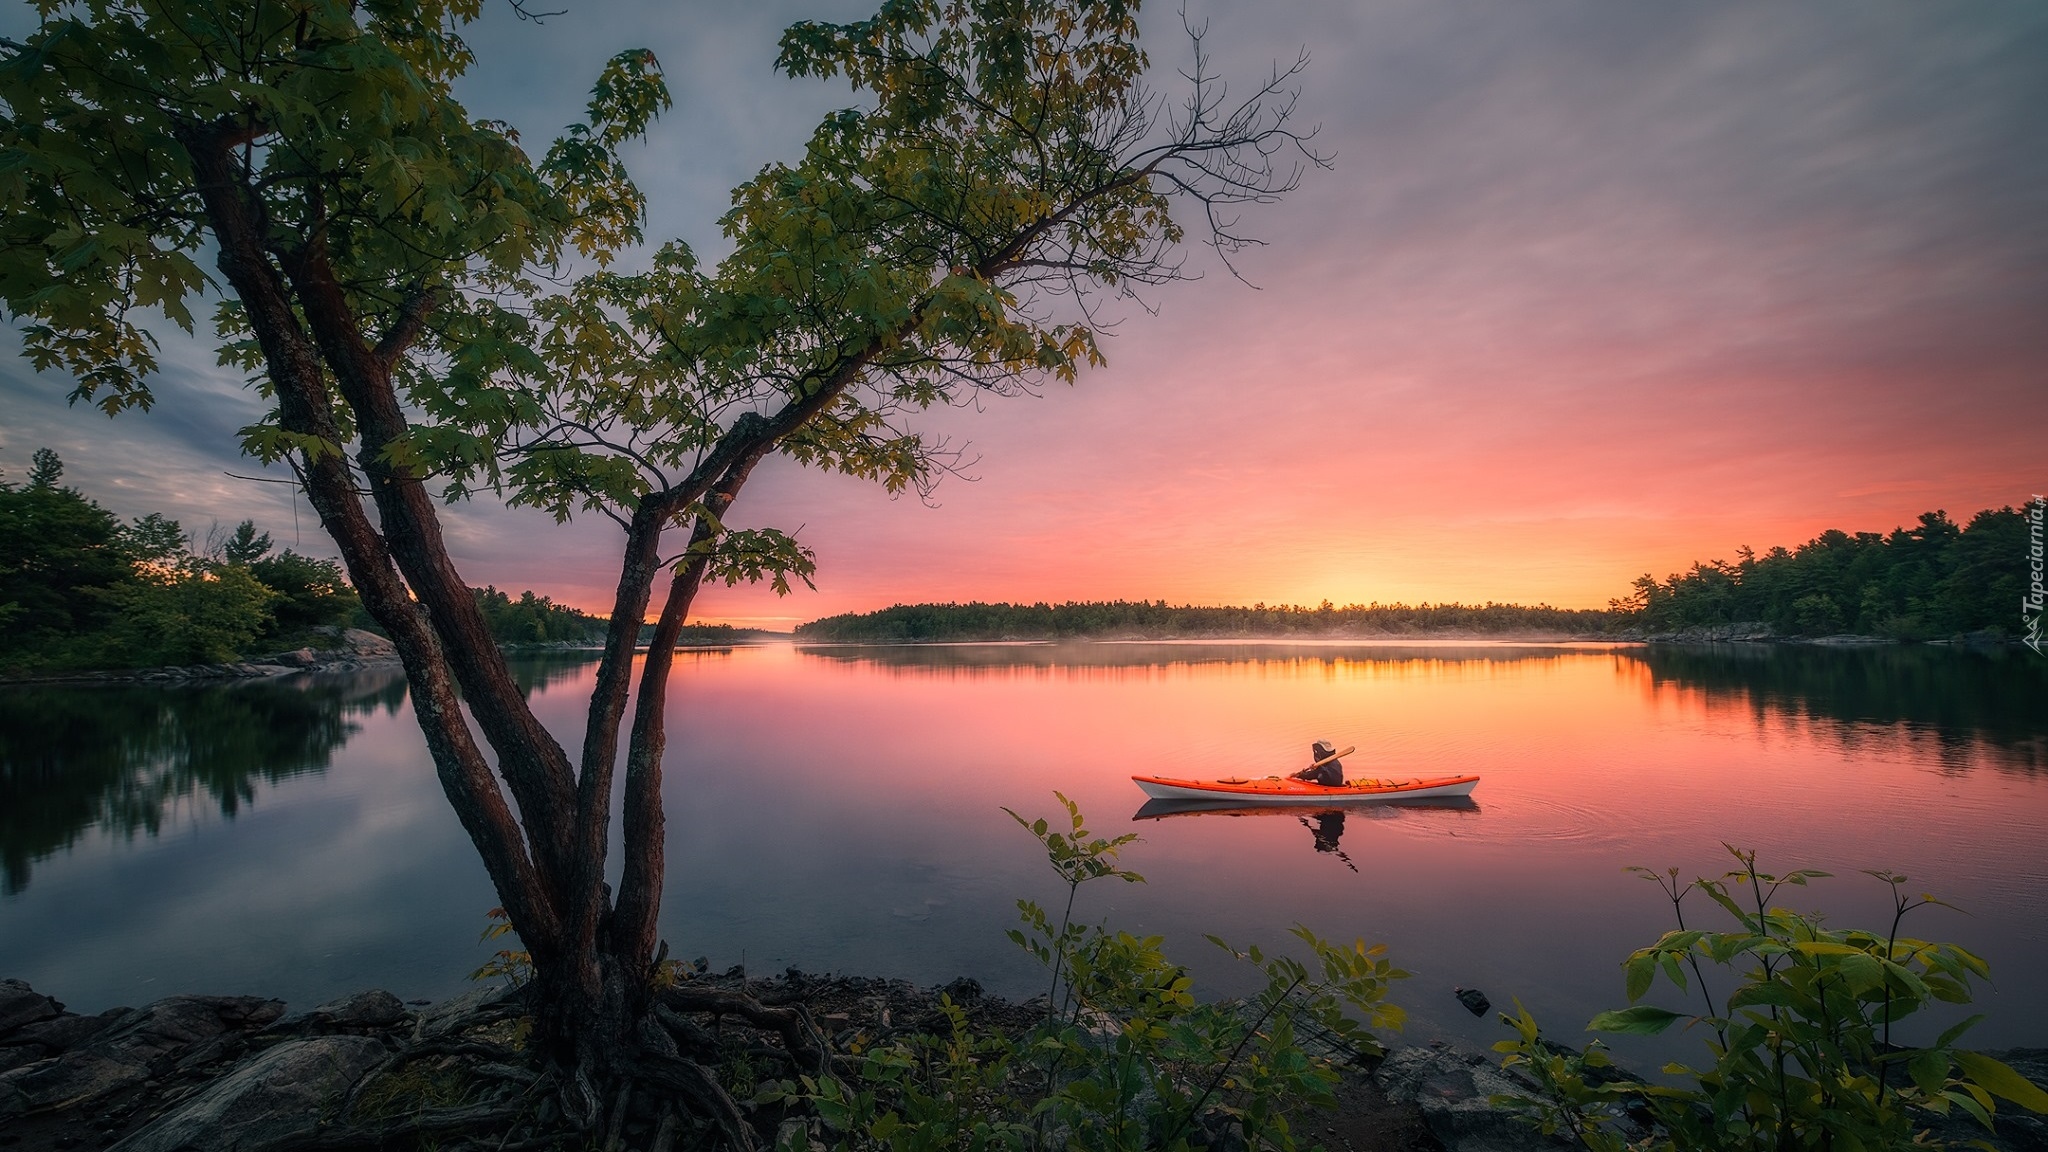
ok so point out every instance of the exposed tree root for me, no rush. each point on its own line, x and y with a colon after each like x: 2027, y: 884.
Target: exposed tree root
x: 793, y: 1024
x: 493, y: 1116
x: 467, y: 1082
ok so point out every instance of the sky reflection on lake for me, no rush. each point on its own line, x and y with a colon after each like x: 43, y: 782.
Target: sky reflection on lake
x: 841, y: 809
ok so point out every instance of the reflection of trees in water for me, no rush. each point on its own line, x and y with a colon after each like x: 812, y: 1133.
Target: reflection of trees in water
x: 123, y: 757
x: 537, y: 671
x: 1000, y: 659
x: 1969, y: 700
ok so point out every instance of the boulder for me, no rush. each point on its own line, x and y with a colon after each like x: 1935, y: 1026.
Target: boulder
x: 137, y: 1047
x: 1452, y: 1089
x: 273, y: 1101
x: 364, y: 1011
x: 66, y: 1031
x: 21, y: 1004
x: 367, y: 643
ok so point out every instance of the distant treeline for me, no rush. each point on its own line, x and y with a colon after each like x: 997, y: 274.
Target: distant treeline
x: 1934, y: 580
x: 711, y: 635
x: 535, y: 619
x: 1155, y: 619
x: 80, y: 589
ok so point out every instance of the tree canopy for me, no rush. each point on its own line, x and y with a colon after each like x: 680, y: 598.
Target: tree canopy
x: 432, y: 311
x: 80, y: 589
x: 1935, y: 579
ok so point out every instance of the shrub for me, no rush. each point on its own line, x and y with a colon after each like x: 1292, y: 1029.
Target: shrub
x: 1802, y: 1050
x: 1126, y: 1058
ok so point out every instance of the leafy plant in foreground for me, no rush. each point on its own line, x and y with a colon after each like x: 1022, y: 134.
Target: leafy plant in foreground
x: 1802, y: 1045
x: 1126, y: 1058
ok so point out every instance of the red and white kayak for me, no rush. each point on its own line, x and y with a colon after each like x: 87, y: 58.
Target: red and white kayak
x: 1288, y: 790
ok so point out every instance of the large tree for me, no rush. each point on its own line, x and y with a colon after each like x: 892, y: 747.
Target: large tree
x: 385, y: 268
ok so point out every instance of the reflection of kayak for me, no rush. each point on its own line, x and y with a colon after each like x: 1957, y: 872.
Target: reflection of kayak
x: 1288, y: 790
x: 1161, y: 809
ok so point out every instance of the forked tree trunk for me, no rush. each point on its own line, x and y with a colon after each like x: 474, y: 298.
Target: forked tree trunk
x: 546, y: 849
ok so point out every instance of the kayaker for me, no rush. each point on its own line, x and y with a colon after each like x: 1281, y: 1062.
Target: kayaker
x: 1324, y: 768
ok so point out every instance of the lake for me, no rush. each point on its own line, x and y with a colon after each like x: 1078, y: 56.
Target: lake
x: 841, y: 809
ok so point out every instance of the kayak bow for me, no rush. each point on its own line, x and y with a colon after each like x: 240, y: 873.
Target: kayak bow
x: 1287, y: 790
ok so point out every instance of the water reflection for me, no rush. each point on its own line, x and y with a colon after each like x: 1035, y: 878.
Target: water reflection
x: 1969, y: 701
x: 125, y: 758
x: 1963, y: 698
x: 1013, y: 658
x: 539, y: 671
x: 841, y: 809
x: 1325, y: 825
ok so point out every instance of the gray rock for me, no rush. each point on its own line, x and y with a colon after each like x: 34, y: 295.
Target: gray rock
x: 1452, y: 1089
x: 273, y: 1101
x: 145, y: 1044
x: 303, y: 658
x: 367, y: 643
x: 373, y: 1009
x: 20, y: 1004
x: 21, y: 1056
x: 453, y: 1013
x: 67, y: 1031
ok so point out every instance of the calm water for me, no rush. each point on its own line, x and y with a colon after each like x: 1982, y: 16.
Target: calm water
x: 841, y: 809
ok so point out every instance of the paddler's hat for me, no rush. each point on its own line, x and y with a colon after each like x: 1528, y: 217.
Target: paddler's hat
x: 1324, y: 749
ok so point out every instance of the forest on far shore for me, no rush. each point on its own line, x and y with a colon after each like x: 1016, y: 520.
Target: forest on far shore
x: 80, y: 589
x: 1932, y: 581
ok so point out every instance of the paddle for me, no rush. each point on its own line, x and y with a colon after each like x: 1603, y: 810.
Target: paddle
x: 1320, y: 763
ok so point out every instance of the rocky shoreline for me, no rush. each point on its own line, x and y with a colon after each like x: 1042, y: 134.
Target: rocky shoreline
x: 343, y: 650
x: 242, y: 1074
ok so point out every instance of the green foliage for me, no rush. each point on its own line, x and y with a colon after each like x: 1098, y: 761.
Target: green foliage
x: 196, y: 613
x: 389, y: 263
x: 246, y: 545
x: 59, y: 552
x: 311, y: 593
x: 1126, y: 1057
x: 535, y: 619
x: 1933, y: 580
x: 512, y: 965
x: 1155, y: 619
x: 1802, y: 1049
x: 85, y: 591
x: 339, y: 115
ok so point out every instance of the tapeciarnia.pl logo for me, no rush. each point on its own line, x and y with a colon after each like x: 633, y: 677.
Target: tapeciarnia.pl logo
x: 2032, y: 603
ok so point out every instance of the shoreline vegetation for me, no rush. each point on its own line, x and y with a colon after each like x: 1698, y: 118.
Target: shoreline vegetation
x: 84, y: 596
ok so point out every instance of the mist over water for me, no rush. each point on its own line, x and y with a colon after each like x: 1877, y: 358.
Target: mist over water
x: 841, y: 809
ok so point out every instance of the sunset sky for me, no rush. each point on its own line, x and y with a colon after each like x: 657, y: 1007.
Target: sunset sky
x: 1594, y: 289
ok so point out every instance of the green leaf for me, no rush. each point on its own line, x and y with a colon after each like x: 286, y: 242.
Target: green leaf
x: 2000, y: 1080
x: 1641, y: 969
x: 1641, y: 1020
x: 1953, y: 1034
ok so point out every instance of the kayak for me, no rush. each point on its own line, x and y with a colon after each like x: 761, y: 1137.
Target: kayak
x: 1163, y: 809
x: 1288, y: 790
